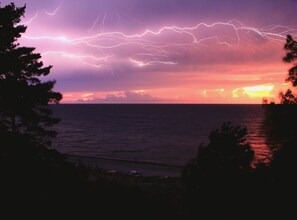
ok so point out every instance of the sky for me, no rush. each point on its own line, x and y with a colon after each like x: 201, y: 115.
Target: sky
x: 169, y: 51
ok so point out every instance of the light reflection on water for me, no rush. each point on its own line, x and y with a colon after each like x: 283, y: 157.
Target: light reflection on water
x: 257, y: 139
x: 167, y: 134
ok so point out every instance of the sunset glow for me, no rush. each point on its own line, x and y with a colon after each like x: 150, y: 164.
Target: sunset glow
x: 259, y: 91
x: 174, y: 51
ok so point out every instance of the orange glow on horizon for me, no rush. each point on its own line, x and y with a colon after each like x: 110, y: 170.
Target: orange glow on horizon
x: 259, y: 91
x: 246, y: 94
x: 196, y: 87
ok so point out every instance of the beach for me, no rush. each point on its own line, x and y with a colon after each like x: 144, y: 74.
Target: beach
x: 127, y: 167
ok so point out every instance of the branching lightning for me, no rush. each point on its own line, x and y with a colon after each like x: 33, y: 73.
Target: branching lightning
x: 31, y: 19
x: 53, y: 13
x: 95, y: 23
x: 154, y: 46
x: 141, y: 64
x: 84, y: 59
x: 104, y: 18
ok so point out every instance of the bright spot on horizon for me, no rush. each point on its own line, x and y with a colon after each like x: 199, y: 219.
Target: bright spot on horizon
x: 139, y: 91
x: 87, y: 94
x: 260, y: 91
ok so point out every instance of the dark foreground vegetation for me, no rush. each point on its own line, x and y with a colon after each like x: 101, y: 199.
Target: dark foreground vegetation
x: 220, y: 183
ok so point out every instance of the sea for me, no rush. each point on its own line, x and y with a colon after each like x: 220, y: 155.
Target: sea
x: 148, y: 139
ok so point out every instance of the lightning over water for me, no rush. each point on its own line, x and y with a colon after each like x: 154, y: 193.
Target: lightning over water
x: 156, y: 42
x: 185, y: 55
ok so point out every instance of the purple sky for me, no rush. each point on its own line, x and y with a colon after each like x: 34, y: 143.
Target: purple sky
x: 181, y: 51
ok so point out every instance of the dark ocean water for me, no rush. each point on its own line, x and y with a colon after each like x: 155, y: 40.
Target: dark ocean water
x: 165, y: 134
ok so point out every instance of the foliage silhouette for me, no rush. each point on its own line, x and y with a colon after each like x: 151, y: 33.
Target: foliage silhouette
x: 220, y: 170
x: 226, y: 153
x: 280, y: 125
x: 287, y: 97
x: 24, y: 98
x: 27, y: 166
x: 280, y: 121
x: 291, y: 56
x: 280, y: 129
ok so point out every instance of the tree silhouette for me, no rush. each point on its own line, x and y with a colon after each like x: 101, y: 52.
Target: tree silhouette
x: 24, y: 98
x: 280, y: 130
x: 227, y: 149
x: 291, y: 56
x: 288, y: 97
x: 280, y: 120
x: 221, y: 170
x: 226, y: 154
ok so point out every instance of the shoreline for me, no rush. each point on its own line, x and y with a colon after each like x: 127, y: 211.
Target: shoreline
x: 143, y: 168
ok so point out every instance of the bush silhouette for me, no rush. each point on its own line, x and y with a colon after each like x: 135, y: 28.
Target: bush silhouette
x: 221, y: 170
x: 226, y: 153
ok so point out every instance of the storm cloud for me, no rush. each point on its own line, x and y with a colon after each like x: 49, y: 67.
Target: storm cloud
x: 169, y: 48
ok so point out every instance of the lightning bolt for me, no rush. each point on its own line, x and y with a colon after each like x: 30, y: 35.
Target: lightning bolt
x: 154, y: 47
x: 31, y: 19
x: 53, y: 13
x: 95, y: 23
x: 45, y: 11
x: 141, y: 63
x: 104, y: 18
x: 133, y: 19
x: 84, y: 59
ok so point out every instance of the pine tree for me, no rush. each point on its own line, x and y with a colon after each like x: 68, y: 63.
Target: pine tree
x: 291, y: 56
x: 24, y: 98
